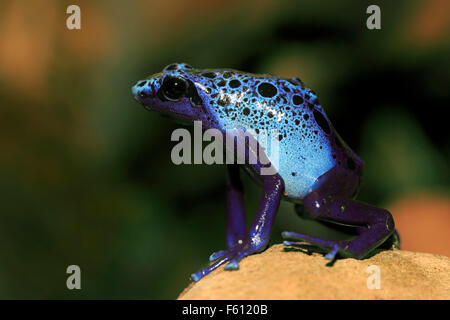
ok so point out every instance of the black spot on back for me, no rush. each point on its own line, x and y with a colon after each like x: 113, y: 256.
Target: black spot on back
x: 234, y: 83
x: 297, y: 100
x: 267, y: 90
x: 321, y: 121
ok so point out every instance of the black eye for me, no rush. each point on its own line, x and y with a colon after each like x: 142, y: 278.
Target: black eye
x: 173, y: 88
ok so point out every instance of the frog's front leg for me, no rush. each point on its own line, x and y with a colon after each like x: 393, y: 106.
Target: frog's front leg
x: 257, y: 238
x: 373, y: 225
x: 236, y: 225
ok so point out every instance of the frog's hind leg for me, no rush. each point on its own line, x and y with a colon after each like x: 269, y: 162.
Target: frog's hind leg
x: 393, y: 242
x: 373, y: 225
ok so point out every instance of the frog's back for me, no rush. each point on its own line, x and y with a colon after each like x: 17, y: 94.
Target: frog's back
x: 308, y: 144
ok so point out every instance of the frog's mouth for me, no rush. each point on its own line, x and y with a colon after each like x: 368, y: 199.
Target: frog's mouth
x: 171, y: 114
x: 177, y: 119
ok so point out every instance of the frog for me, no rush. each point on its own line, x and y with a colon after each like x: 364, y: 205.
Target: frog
x: 316, y: 170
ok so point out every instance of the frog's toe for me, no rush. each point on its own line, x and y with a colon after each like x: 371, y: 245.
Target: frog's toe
x: 309, y: 239
x: 219, y: 258
x: 334, y: 245
x: 232, y: 265
x: 294, y: 243
x: 234, y: 262
x: 231, y: 255
x: 198, y: 275
x: 332, y: 254
x: 217, y: 255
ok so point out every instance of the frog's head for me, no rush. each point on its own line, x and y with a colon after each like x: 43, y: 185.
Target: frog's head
x: 172, y: 92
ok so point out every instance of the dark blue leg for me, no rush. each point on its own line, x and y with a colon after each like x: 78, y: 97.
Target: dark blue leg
x: 258, y: 237
x: 236, y: 225
x: 374, y: 225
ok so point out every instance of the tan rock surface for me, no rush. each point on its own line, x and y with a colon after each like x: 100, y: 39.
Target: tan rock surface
x: 277, y: 274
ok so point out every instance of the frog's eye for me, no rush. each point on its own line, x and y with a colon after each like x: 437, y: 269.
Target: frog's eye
x: 173, y: 88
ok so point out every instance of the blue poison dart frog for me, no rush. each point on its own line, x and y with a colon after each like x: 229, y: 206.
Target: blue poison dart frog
x: 317, y: 171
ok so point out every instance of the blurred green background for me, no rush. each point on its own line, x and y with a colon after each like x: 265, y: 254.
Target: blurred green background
x: 85, y: 172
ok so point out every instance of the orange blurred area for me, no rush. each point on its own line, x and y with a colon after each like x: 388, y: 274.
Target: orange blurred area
x: 34, y: 41
x: 423, y: 221
x: 429, y: 24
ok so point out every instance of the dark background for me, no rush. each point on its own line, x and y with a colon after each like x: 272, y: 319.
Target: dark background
x: 85, y: 172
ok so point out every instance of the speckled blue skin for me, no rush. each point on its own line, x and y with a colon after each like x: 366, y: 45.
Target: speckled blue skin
x: 316, y: 169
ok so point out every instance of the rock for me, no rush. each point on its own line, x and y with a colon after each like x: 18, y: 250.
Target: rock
x: 279, y: 274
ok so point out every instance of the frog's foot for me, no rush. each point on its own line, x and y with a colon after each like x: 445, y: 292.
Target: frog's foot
x: 232, y: 255
x: 332, y: 246
x: 395, y: 243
